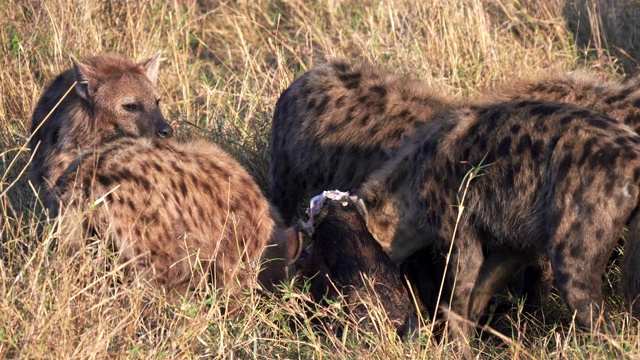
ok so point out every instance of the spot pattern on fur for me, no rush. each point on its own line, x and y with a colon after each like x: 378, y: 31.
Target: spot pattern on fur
x: 182, y: 212
x: 338, y: 123
x: 556, y: 180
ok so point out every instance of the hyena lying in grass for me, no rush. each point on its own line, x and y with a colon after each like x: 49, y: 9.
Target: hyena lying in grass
x: 113, y: 97
x: 550, y: 178
x: 180, y: 212
x: 347, y: 261
x: 338, y: 123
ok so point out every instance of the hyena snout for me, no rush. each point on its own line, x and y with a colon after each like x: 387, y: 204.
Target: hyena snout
x: 163, y: 129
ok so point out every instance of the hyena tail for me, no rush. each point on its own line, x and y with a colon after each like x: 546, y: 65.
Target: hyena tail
x: 631, y: 264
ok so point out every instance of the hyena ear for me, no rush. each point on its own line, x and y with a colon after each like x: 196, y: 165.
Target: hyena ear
x: 294, y: 244
x: 152, y: 67
x: 85, y: 76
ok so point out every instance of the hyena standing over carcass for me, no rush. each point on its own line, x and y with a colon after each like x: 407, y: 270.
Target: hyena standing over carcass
x: 126, y: 105
x: 180, y: 213
x: 338, y: 123
x: 555, y: 179
x: 617, y: 99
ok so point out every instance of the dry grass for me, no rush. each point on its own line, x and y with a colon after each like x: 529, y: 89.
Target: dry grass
x: 225, y: 64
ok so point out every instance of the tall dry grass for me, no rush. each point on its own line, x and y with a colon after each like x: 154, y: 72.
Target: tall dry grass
x: 225, y: 64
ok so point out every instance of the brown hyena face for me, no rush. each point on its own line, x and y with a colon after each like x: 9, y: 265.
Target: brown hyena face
x: 124, y: 99
x: 100, y: 99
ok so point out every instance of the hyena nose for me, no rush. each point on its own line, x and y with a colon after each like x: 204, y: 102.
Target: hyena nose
x: 165, y: 131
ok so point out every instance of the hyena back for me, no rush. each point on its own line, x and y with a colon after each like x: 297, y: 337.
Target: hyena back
x: 347, y: 261
x: 338, y: 123
x: 182, y: 212
x: 553, y: 179
x: 113, y: 97
x: 617, y: 99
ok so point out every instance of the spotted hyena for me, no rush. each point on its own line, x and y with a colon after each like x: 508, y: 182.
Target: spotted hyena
x: 550, y: 179
x: 617, y: 99
x: 181, y: 213
x: 113, y: 97
x: 347, y: 261
x: 339, y: 122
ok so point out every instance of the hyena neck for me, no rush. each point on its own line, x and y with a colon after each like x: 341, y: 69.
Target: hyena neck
x: 84, y: 134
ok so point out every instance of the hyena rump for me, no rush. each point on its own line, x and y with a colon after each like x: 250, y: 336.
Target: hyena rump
x: 113, y: 97
x: 338, y: 123
x: 181, y: 212
x: 347, y: 261
x: 556, y: 179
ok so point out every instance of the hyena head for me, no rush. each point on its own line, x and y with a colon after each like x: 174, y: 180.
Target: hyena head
x: 121, y: 97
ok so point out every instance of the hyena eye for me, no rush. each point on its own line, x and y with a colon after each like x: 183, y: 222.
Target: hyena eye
x: 130, y: 107
x: 157, y: 102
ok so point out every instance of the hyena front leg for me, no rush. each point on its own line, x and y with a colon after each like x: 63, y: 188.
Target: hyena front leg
x: 463, y: 271
x: 578, y: 260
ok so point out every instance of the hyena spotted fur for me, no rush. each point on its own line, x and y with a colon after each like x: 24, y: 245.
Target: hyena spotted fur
x: 181, y: 212
x: 339, y: 122
x: 617, y: 99
x: 556, y: 179
x: 113, y: 97
x: 346, y: 261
